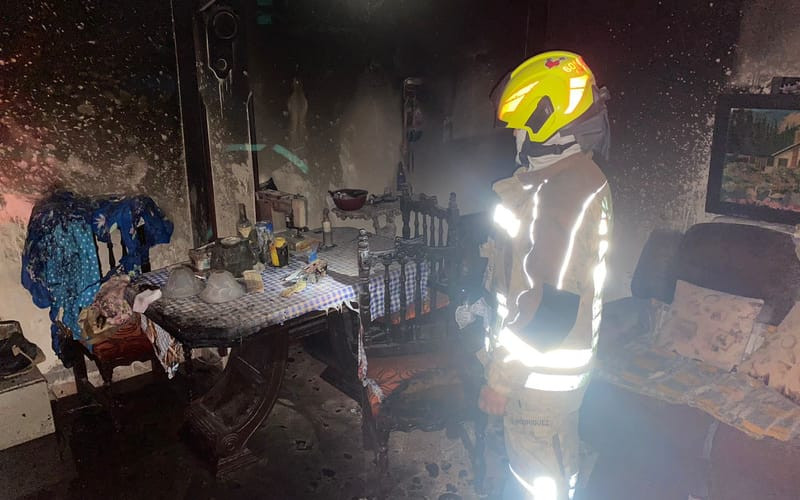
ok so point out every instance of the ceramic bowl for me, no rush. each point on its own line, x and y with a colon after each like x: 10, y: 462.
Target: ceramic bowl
x: 221, y: 287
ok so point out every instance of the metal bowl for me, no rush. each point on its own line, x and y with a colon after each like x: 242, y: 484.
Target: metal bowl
x: 349, y: 199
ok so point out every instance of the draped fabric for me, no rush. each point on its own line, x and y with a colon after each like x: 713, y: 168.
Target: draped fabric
x: 60, y: 266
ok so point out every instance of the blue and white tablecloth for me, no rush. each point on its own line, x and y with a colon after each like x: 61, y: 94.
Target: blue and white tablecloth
x: 257, y: 310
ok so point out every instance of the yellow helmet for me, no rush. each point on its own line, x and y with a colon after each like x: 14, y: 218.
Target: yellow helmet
x: 546, y: 93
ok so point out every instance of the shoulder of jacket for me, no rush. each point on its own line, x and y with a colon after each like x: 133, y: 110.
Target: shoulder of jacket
x: 509, y: 184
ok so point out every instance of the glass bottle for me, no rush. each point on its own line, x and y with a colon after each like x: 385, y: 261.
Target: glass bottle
x: 327, y: 230
x: 244, y: 227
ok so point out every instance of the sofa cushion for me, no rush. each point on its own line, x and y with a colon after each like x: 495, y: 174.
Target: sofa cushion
x: 708, y: 325
x: 732, y: 398
x: 777, y: 362
x: 739, y: 259
x: 665, y: 442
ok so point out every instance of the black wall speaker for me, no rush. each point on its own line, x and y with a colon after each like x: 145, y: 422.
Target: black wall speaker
x: 222, y: 31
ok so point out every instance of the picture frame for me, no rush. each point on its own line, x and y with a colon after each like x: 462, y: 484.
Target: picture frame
x: 755, y: 158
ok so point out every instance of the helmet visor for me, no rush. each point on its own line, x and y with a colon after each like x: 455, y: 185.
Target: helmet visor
x: 544, y: 108
x: 496, y: 94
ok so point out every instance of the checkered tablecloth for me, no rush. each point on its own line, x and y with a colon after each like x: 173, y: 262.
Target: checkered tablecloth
x: 257, y: 310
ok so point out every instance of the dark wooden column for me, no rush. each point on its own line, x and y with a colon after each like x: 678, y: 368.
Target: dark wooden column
x: 195, y: 128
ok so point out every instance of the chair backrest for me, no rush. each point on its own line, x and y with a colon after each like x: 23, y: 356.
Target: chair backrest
x: 429, y: 221
x: 410, y: 270
x: 111, y: 260
x: 438, y: 228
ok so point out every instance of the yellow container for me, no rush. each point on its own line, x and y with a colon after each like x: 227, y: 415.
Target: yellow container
x: 277, y: 250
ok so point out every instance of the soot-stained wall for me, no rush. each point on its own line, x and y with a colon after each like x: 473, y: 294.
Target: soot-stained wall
x: 89, y: 103
x: 769, y: 43
x: 351, y: 59
x: 665, y: 63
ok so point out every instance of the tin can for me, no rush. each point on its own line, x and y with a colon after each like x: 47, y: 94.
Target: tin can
x: 264, y: 232
x: 279, y: 252
x: 201, y: 258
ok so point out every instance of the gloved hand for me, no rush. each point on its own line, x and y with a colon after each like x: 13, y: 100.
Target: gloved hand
x: 492, y: 402
x: 465, y: 315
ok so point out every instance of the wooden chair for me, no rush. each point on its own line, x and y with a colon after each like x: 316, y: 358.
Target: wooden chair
x: 421, y: 372
x: 127, y: 345
x: 437, y: 226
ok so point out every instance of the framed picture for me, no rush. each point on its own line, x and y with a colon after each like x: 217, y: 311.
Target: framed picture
x: 755, y: 158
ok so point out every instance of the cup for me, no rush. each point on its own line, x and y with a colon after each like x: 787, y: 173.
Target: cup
x: 201, y: 258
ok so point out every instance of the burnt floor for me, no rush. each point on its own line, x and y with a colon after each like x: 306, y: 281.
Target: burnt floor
x: 310, y: 448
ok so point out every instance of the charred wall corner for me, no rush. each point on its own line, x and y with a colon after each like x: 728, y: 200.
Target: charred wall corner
x: 88, y: 103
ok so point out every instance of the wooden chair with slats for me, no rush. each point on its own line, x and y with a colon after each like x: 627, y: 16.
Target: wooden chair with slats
x: 126, y: 346
x: 421, y: 371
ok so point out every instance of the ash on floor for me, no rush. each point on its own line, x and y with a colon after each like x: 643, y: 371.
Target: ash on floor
x: 310, y: 447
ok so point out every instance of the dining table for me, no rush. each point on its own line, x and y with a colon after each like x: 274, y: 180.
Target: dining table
x: 258, y: 328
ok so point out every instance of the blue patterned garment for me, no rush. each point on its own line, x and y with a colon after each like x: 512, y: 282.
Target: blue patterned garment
x: 60, y: 267
x: 126, y: 214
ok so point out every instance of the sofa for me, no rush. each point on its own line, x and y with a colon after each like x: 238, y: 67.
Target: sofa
x: 707, y: 421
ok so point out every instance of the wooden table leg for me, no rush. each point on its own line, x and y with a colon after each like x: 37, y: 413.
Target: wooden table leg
x: 221, y: 422
x: 187, y: 359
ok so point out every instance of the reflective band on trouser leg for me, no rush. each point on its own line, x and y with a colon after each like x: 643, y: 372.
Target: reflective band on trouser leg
x: 573, y: 483
x: 531, y: 424
x: 541, y: 487
x: 556, y: 382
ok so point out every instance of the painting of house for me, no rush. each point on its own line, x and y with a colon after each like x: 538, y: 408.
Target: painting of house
x: 761, y: 162
x: 788, y: 157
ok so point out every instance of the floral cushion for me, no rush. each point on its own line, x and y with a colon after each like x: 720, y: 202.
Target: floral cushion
x: 708, y: 325
x: 777, y: 362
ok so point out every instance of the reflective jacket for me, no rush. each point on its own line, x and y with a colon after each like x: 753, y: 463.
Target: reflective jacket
x: 549, y: 267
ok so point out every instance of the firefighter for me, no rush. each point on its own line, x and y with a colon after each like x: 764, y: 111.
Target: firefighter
x: 547, y: 270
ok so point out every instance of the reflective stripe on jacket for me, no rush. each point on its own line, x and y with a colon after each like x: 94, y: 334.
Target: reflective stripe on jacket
x: 554, y: 226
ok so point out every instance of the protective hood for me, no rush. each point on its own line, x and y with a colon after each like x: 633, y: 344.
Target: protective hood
x: 589, y: 133
x: 592, y: 133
